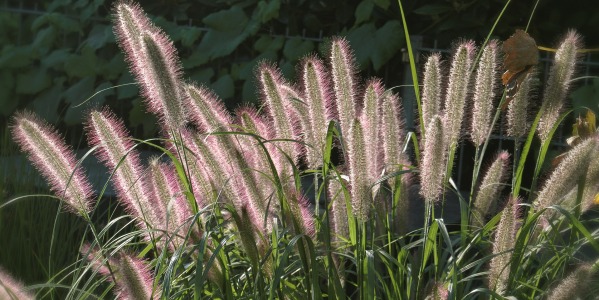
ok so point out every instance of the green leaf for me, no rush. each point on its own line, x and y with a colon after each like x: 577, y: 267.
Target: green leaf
x: 60, y: 21
x: 33, y: 81
x: 47, y: 103
x: 433, y: 9
x: 375, y: 45
x: 187, y: 35
x: 586, y: 96
x: 99, y: 36
x: 126, y: 91
x: 267, y: 43
x: 384, y: 4
x: 267, y: 10
x: 7, y: 102
x: 79, y: 96
x: 202, y: 75
x: 297, y: 47
x: 44, y: 39
x: 16, y: 57
x: 229, y: 29
x: 363, y: 11
x: 56, y: 59
x: 138, y: 116
x: 224, y: 87
x: 82, y: 65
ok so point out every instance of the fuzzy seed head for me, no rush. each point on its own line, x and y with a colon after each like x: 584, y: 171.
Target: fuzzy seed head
x: 11, y: 288
x: 558, y: 83
x: 434, y: 158
x: 490, y: 188
x: 48, y: 152
x: 574, y: 286
x: 457, y: 91
x: 153, y: 60
x: 484, y: 94
x: 505, y: 239
x: 116, y: 150
x: 517, y: 112
x: 431, y: 88
x: 343, y: 71
x: 565, y: 177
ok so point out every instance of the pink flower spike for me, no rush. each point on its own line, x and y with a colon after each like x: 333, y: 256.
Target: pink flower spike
x: 55, y: 160
x: 10, y: 288
x: 132, y: 276
x: 116, y: 150
x: 153, y: 60
x: 343, y: 71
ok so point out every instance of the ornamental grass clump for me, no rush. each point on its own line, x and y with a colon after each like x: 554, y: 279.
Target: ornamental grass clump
x: 252, y: 204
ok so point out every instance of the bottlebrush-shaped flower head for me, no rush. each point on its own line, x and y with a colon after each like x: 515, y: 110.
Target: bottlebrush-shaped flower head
x: 517, y: 113
x: 431, y: 88
x: 275, y: 91
x: 154, y: 62
x: 319, y: 98
x: 54, y: 159
x: 490, y: 188
x: 565, y: 177
x: 10, y: 288
x: 343, y: 73
x: 131, y: 275
x: 457, y: 91
x: 558, y: 83
x: 116, y: 150
x: 505, y: 240
x: 484, y: 93
x: 432, y: 167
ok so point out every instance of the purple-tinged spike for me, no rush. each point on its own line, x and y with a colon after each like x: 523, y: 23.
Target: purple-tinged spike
x: 434, y: 159
x: 300, y: 209
x: 116, y: 150
x: 276, y: 94
x: 431, y: 89
x: 370, y: 117
x: 131, y: 275
x: 343, y: 72
x: 318, y: 94
x: 505, y: 240
x: 207, y: 111
x: 55, y: 160
x: 154, y: 62
x: 559, y: 83
x: 168, y: 190
x: 484, y: 94
x: 457, y: 92
x: 11, y: 288
x: 358, y: 177
x: 491, y: 186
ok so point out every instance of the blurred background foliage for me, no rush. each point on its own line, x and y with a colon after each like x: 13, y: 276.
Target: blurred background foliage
x: 56, y: 54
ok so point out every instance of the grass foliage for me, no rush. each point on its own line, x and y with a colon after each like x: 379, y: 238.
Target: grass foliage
x: 320, y: 193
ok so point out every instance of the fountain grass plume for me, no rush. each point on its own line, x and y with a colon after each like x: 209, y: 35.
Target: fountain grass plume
x: 434, y: 159
x: 558, y: 83
x: 575, y: 286
x: 490, y: 188
x: 343, y: 72
x: 567, y: 174
x: 458, y: 89
x: 431, y: 88
x: 11, y: 288
x: 275, y: 92
x: 505, y: 240
x: 130, y: 275
x: 170, y: 199
x: 116, y: 151
x: 154, y: 62
x: 370, y: 118
x: 55, y: 160
x: 517, y: 111
x: 484, y: 93
x: 319, y: 98
x: 358, y: 175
